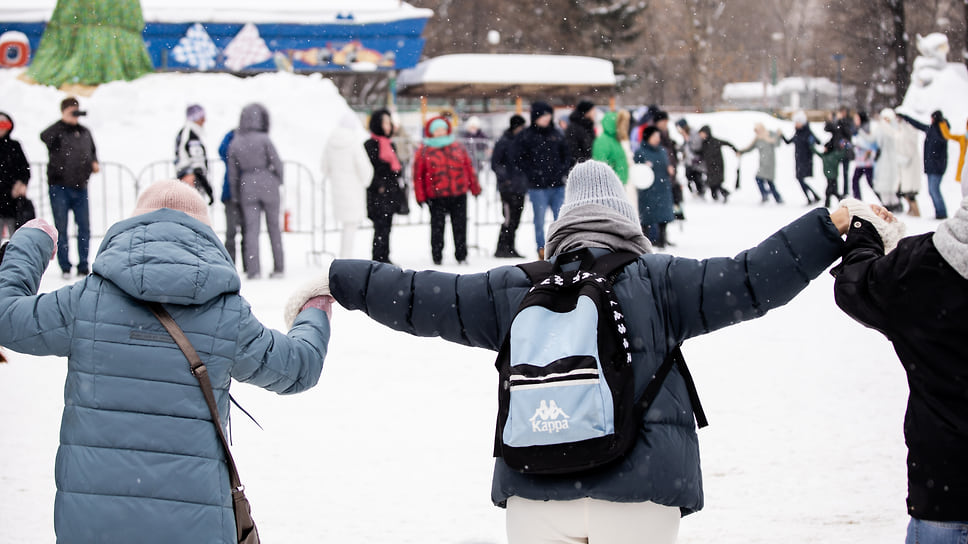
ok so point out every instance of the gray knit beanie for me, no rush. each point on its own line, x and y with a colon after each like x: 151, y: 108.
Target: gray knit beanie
x: 594, y: 182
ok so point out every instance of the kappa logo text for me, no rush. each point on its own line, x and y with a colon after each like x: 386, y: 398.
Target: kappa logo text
x: 545, y: 418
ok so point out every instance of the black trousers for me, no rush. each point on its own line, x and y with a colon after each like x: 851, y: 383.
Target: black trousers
x: 513, y: 205
x: 381, y: 238
x: 440, y: 208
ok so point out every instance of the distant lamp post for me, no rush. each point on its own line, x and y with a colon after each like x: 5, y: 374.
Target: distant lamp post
x: 839, y: 58
x: 774, y: 76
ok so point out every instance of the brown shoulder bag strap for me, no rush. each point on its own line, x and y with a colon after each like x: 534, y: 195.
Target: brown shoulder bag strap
x: 245, y: 526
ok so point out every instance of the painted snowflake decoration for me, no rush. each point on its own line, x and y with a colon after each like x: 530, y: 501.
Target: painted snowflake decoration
x: 196, y: 48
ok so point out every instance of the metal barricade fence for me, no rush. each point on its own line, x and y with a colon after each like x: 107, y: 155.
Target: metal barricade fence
x: 306, y: 201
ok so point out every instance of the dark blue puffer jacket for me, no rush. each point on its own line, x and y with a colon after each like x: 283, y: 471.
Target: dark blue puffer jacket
x: 665, y: 300
x: 139, y: 458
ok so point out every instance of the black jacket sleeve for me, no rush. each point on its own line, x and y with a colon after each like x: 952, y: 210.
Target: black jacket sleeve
x: 866, y: 279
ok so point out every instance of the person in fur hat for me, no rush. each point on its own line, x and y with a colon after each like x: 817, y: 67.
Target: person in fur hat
x: 914, y: 291
x: 139, y: 459
x: 665, y: 300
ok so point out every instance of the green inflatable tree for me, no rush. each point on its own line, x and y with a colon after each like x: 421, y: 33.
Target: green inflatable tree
x: 89, y: 42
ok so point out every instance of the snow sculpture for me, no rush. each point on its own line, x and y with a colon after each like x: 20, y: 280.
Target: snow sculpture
x: 936, y: 84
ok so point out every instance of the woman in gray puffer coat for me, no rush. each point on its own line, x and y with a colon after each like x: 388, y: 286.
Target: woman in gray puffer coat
x: 255, y: 174
x: 665, y: 300
x: 139, y: 458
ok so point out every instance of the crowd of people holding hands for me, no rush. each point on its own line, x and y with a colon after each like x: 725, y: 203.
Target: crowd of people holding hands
x: 139, y: 460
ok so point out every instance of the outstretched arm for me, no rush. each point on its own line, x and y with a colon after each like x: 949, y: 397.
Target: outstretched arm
x: 469, y: 309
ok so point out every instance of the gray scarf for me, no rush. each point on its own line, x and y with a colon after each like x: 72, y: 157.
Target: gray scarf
x: 951, y: 240
x: 594, y: 225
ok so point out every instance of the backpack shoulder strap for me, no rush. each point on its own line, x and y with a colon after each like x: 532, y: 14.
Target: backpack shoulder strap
x: 537, y: 270
x: 611, y: 264
x: 674, y: 358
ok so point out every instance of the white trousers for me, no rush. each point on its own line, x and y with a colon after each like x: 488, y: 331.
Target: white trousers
x: 590, y: 521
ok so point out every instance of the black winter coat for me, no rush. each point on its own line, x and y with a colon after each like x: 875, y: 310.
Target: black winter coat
x: 665, y: 300
x: 72, y: 154
x: 935, y: 146
x: 803, y: 141
x: 542, y: 155
x: 510, y: 179
x: 916, y: 299
x: 13, y: 167
x: 580, y: 136
x: 384, y: 195
x: 712, y: 157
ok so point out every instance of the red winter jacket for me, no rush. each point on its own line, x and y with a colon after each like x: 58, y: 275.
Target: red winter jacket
x: 443, y: 171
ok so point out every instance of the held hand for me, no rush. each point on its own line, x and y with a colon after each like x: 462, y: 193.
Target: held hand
x: 49, y: 229
x: 324, y: 303
x: 95, y: 167
x: 883, y: 213
x: 19, y: 189
x: 841, y: 219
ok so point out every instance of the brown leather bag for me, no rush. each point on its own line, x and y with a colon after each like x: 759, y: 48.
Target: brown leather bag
x: 244, y: 525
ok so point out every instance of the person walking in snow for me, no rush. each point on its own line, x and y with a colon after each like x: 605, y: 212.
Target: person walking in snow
x: 887, y: 175
x: 541, y: 153
x: 656, y: 203
x: 765, y: 144
x: 139, y: 458
x: 608, y: 149
x: 513, y: 187
x: 913, y: 291
x: 803, y: 141
x: 832, y: 157
x: 348, y: 173
x: 73, y: 158
x: 909, y: 165
x: 233, y: 211
x: 580, y: 133
x: 935, y: 157
x: 476, y: 142
x: 864, y: 152
x: 191, y: 160
x: 442, y: 176
x: 840, y: 125
x: 14, y: 177
x: 692, y: 158
x: 385, y: 195
x: 962, y: 140
x: 712, y: 157
x: 665, y: 300
x: 255, y: 172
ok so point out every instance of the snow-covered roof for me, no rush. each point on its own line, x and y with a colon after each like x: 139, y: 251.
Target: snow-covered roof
x: 758, y: 89
x: 241, y: 11
x: 509, y: 75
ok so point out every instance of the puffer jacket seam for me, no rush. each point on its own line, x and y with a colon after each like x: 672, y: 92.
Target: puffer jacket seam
x: 460, y: 317
x: 138, y: 450
x: 179, y: 501
x: 118, y: 411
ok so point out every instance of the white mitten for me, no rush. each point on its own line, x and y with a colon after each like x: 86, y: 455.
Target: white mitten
x: 315, y: 288
x: 891, y: 233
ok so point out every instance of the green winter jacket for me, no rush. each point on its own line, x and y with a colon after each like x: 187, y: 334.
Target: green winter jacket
x: 831, y: 162
x: 608, y: 149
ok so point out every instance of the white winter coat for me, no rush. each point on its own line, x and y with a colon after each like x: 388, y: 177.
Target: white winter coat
x: 348, y: 172
x: 909, y: 159
x: 886, y: 171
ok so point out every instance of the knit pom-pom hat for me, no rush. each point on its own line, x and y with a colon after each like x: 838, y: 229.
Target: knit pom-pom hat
x: 175, y: 195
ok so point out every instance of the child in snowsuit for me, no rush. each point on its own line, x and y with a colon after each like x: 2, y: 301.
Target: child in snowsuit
x: 832, y: 157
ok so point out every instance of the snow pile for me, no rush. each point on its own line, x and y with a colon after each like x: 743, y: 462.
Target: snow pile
x: 135, y: 123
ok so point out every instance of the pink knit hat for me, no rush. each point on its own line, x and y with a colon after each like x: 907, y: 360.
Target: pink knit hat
x: 175, y: 195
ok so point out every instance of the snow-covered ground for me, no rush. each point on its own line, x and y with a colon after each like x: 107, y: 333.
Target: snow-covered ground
x: 394, y: 445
